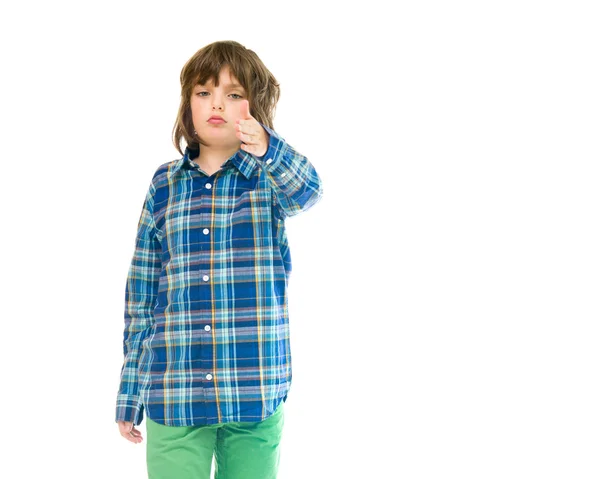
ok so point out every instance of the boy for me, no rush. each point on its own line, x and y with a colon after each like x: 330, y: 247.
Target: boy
x: 206, y: 339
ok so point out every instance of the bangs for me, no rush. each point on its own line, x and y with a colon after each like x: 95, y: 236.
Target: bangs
x: 209, y: 65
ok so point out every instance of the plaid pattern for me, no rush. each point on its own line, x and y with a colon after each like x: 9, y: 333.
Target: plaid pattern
x: 206, y: 335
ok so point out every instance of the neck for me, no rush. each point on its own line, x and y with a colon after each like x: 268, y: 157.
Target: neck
x: 211, y: 158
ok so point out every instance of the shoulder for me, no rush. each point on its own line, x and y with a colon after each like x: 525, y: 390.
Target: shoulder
x: 160, y: 176
x: 160, y: 181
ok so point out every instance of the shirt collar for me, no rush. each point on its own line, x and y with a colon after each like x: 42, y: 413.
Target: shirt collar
x: 242, y: 160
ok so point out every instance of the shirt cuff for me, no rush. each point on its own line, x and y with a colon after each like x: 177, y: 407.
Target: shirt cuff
x: 129, y: 408
x: 276, y: 148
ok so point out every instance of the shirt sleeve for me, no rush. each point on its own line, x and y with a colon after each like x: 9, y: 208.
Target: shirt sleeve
x: 295, y: 182
x: 140, y: 297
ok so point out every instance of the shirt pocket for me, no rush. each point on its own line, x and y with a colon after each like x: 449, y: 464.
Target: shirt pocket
x: 174, y: 222
x: 250, y: 219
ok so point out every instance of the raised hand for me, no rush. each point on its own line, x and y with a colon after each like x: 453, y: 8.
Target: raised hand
x: 254, y: 138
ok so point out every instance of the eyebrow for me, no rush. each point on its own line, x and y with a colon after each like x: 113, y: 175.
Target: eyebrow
x: 228, y: 86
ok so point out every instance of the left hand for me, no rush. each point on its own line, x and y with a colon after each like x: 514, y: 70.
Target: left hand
x: 249, y: 131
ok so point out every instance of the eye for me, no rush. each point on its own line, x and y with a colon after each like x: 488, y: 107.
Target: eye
x: 235, y: 94
x: 201, y: 93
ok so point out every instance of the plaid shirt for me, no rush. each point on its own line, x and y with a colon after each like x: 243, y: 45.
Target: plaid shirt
x: 206, y: 335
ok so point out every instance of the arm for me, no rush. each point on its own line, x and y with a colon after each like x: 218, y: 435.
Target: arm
x: 294, y: 180
x: 140, y: 297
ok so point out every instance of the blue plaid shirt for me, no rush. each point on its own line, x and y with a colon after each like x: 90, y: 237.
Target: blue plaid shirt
x: 206, y: 335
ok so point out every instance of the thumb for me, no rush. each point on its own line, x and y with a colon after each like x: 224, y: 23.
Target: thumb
x: 245, y: 110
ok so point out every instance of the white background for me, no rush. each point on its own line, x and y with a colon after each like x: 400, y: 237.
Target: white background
x: 444, y: 294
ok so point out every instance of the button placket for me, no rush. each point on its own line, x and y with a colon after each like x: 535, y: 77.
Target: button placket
x: 205, y: 218
x: 204, y: 272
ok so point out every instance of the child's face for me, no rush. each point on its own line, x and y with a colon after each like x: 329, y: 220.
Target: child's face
x: 224, y: 101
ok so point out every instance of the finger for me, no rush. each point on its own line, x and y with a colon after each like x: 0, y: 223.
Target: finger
x: 133, y: 438
x: 249, y: 148
x: 248, y: 128
x: 248, y: 139
x: 247, y: 136
x: 253, y: 150
x: 245, y: 110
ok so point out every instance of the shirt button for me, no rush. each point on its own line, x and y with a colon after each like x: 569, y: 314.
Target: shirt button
x: 283, y: 174
x: 208, y: 186
x: 205, y: 231
x: 209, y: 376
x: 207, y: 328
x: 269, y: 161
x: 205, y: 277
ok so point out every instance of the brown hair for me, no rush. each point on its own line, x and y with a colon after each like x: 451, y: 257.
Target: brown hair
x: 260, y: 85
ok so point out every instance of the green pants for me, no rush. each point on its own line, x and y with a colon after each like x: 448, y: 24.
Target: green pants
x: 242, y: 450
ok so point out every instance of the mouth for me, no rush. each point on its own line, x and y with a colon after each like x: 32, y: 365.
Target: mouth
x: 216, y: 119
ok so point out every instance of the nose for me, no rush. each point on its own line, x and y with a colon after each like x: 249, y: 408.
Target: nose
x: 217, y: 103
